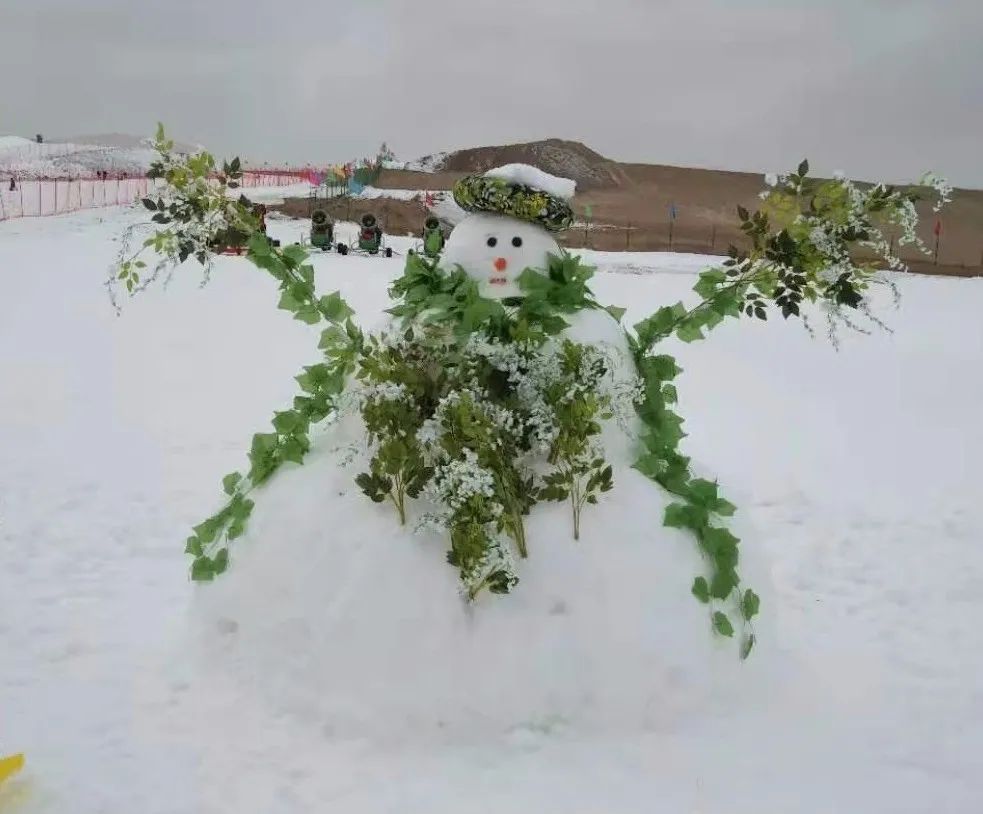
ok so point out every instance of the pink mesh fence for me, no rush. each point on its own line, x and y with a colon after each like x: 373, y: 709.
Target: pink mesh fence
x: 32, y: 198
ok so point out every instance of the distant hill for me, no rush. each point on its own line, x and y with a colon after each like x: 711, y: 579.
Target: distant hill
x: 567, y: 159
x: 122, y: 140
x: 78, y: 156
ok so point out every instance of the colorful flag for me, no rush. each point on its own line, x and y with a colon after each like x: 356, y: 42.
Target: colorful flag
x: 428, y: 200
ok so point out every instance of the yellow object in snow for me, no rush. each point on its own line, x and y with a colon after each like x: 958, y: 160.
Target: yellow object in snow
x: 10, y: 765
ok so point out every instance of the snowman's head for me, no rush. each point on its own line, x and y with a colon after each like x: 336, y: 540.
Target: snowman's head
x: 495, y: 249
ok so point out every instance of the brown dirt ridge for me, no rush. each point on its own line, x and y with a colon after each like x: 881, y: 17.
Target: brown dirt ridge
x: 631, y: 204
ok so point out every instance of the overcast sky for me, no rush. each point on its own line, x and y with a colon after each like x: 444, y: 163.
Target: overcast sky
x: 877, y: 88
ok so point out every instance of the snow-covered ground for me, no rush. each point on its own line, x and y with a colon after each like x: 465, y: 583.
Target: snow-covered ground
x: 371, y: 193
x: 856, y: 474
x: 274, y: 195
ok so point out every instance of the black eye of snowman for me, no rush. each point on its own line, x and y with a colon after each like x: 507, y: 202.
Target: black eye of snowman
x: 492, y: 241
x: 517, y: 241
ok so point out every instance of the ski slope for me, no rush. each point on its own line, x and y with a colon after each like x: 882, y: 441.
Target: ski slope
x: 855, y: 472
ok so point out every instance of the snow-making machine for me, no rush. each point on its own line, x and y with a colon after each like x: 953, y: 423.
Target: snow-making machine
x: 433, y: 237
x: 370, y: 239
x: 432, y: 243
x: 322, y: 230
x: 233, y: 241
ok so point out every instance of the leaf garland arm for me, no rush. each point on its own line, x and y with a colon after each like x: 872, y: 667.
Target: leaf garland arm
x: 803, y: 244
x: 320, y: 385
x: 198, y: 216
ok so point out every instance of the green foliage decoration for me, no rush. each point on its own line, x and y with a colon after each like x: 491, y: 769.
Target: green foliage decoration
x: 443, y: 414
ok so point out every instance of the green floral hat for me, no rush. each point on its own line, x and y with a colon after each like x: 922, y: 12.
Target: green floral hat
x: 481, y: 193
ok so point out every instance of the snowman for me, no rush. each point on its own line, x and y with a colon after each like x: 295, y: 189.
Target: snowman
x: 513, y: 212
x: 344, y: 621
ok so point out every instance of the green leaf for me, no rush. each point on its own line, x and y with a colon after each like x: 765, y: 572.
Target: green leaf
x: 230, y: 481
x: 616, y: 311
x: 288, y: 421
x: 306, y: 273
x: 202, y: 569
x: 293, y: 450
x: 332, y: 337
x: 701, y: 590
x: 259, y: 245
x: 718, y: 541
x: 659, y: 325
x: 723, y: 584
x: 263, y: 457
x: 294, y: 255
x: 722, y: 624
x: 241, y: 508
x: 650, y: 465
x: 264, y: 442
x: 308, y: 314
x: 288, y: 302
x: 803, y: 168
x: 661, y: 368
x: 703, y: 492
x: 208, y: 530
x: 220, y: 562
x: 709, y: 281
x: 193, y: 546
x: 689, y: 331
x: 747, y: 644
x: 750, y: 604
x: 334, y: 308
x: 681, y: 516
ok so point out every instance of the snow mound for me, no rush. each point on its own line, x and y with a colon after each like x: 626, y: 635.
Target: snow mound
x: 370, y: 192
x: 27, y: 159
x: 427, y: 163
x: 533, y: 177
x: 13, y: 143
x: 334, y: 615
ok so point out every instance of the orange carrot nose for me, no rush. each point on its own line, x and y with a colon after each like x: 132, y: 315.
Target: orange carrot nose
x: 500, y: 263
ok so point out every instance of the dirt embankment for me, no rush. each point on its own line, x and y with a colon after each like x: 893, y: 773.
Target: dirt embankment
x: 395, y: 217
x: 631, y: 203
